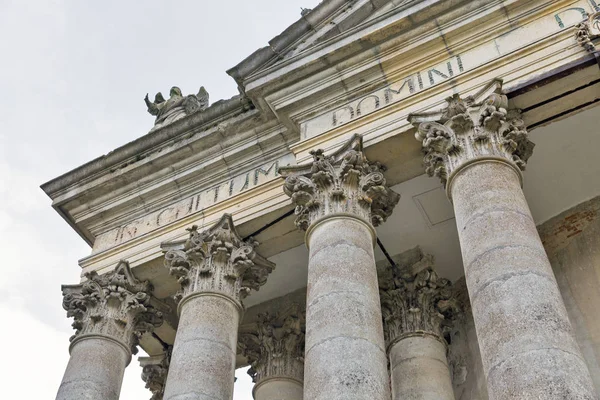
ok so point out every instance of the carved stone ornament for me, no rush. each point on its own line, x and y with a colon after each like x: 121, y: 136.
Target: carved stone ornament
x: 587, y: 31
x: 154, y: 373
x: 343, y: 182
x: 477, y: 127
x: 177, y: 107
x: 218, y: 260
x: 420, y: 302
x: 114, y: 304
x: 274, y: 345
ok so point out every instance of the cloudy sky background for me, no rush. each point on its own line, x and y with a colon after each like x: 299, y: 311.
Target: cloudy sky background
x: 73, y: 78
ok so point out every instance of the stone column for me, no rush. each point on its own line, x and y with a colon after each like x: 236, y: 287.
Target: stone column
x: 478, y: 149
x: 274, y: 347
x: 216, y: 270
x: 111, y: 312
x: 339, y: 199
x: 154, y: 373
x: 417, y: 308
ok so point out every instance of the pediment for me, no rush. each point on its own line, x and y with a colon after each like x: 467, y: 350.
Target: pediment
x: 327, y: 22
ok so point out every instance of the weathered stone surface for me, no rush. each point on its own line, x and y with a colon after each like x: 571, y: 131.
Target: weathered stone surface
x: 527, y: 343
x: 479, y: 127
x: 418, y: 307
x: 587, y: 31
x: 338, y: 199
x: 203, y: 362
x: 572, y: 242
x: 343, y: 182
x: 274, y: 345
x: 177, y: 107
x: 95, y: 370
x: 419, y: 369
x: 111, y: 313
x: 154, y: 372
x: 218, y: 260
x: 278, y: 389
x: 216, y: 269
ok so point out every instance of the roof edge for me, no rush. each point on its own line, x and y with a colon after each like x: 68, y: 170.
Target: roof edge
x: 148, y: 141
x: 282, y: 41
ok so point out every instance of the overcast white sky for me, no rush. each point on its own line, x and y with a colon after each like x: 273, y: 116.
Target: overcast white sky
x: 73, y: 78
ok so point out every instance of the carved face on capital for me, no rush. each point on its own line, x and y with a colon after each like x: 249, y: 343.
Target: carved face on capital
x: 175, y: 91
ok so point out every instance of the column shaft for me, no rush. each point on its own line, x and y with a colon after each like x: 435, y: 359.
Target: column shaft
x: 419, y: 369
x: 345, y: 353
x: 527, y: 343
x: 95, y: 370
x: 203, y: 361
x: 278, y: 389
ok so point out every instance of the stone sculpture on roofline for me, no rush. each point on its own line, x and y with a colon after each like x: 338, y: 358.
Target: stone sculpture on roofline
x: 177, y: 107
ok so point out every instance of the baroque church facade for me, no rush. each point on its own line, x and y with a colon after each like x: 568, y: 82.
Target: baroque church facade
x: 402, y: 203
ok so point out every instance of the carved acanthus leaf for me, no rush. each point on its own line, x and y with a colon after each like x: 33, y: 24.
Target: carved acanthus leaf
x: 154, y: 373
x: 344, y: 182
x: 587, y: 31
x: 114, y: 304
x: 419, y: 302
x: 274, y: 345
x: 218, y: 260
x: 477, y: 127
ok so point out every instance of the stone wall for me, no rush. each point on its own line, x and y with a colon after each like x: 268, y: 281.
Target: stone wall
x: 572, y: 241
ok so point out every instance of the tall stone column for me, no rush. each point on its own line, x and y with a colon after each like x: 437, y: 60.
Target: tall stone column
x: 274, y: 347
x: 339, y: 199
x: 111, y: 312
x: 478, y: 149
x: 417, y: 308
x: 216, y: 270
x: 154, y: 373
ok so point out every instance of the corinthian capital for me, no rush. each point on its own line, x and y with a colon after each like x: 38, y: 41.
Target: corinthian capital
x: 115, y: 304
x: 218, y: 260
x: 588, y: 31
x: 154, y: 373
x: 475, y: 128
x: 274, y: 345
x: 416, y: 302
x: 343, y: 182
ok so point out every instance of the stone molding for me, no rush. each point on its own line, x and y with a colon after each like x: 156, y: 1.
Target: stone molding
x: 472, y: 129
x: 588, y: 30
x: 274, y: 345
x: 416, y: 303
x: 218, y: 260
x: 344, y: 182
x: 115, y: 305
x: 154, y: 372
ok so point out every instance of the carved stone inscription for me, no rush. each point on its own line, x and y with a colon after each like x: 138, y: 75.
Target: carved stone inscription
x: 450, y: 68
x: 193, y: 204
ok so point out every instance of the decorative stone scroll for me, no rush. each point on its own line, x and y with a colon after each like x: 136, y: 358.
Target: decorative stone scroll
x: 154, y: 373
x: 116, y: 305
x: 416, y: 302
x: 274, y: 346
x: 587, y: 31
x: 478, y: 127
x: 218, y: 260
x: 343, y: 182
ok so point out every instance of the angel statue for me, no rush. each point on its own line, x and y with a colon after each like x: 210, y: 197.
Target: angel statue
x: 177, y: 106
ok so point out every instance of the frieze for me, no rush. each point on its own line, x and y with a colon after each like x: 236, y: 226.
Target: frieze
x: 207, y: 197
x: 449, y: 68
